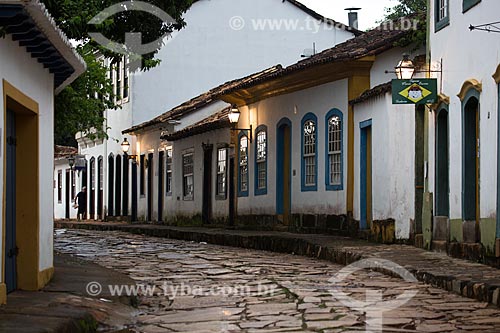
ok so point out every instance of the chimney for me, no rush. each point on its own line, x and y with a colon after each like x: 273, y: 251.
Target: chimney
x: 353, y: 16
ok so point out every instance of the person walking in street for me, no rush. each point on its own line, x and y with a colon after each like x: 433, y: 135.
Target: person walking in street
x: 81, y: 202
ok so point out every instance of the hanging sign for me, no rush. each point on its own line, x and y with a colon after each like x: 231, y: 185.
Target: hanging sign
x: 414, y: 91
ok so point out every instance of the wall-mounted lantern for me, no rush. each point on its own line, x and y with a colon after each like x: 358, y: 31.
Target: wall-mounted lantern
x: 125, y: 148
x: 234, y: 118
x: 405, y: 69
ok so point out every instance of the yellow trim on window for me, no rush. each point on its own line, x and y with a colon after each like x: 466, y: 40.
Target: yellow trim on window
x: 469, y: 84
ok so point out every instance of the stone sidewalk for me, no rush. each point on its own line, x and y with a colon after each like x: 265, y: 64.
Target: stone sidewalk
x: 64, y: 306
x: 462, y: 277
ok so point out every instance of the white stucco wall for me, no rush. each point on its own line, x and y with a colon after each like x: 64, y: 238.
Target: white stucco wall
x: 29, y: 76
x: 208, y: 52
x: 393, y: 161
x: 60, y: 206
x: 176, y: 205
x: 318, y: 100
x: 469, y: 55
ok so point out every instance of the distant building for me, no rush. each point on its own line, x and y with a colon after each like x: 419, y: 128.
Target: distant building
x: 36, y: 60
x: 223, y: 39
x: 294, y: 163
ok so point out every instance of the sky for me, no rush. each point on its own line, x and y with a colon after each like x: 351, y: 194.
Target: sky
x: 372, y: 10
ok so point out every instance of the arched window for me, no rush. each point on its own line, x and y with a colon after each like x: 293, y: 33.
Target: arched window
x: 334, y: 151
x: 261, y: 160
x: 243, y: 165
x: 309, y: 153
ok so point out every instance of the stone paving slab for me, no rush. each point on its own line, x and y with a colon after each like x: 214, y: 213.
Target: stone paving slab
x: 63, y: 306
x: 469, y: 279
x: 294, y: 293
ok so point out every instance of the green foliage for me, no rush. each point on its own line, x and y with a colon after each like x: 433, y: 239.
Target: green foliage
x: 80, y: 107
x: 72, y: 16
x: 406, y: 8
x: 414, y: 10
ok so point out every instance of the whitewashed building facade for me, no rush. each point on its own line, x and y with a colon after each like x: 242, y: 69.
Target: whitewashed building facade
x: 223, y: 39
x: 463, y: 138
x: 292, y: 162
x: 31, y: 70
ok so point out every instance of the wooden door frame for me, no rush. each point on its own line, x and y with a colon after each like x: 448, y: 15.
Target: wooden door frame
x: 365, y: 168
x: 29, y: 277
x: 281, y: 164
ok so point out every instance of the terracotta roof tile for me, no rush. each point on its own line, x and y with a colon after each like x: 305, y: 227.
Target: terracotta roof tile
x: 216, y: 121
x: 201, y: 100
x: 379, y: 90
x: 64, y: 151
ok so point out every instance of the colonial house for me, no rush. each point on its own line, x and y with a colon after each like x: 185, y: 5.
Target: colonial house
x: 36, y: 61
x: 223, y: 39
x: 290, y: 161
x: 463, y: 188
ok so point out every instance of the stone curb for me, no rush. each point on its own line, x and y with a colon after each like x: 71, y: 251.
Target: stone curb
x: 478, y: 289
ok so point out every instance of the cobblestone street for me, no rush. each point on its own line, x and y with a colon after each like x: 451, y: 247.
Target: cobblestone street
x: 208, y: 288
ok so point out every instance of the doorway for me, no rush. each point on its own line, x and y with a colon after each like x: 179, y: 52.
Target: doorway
x: 100, y: 188
x: 92, y: 188
x: 118, y: 186
x: 366, y: 216
x: 150, y: 186
x: 442, y: 165
x: 10, y: 205
x: 207, y: 183
x: 419, y: 168
x: 111, y: 180
x: 470, y: 180
x: 161, y: 164
x: 283, y: 171
x: 125, y: 194
x: 134, y: 192
x: 67, y: 195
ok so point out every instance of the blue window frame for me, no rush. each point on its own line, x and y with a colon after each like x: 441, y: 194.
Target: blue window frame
x: 334, y: 150
x: 441, y: 14
x: 309, y: 147
x: 261, y: 160
x: 242, y: 165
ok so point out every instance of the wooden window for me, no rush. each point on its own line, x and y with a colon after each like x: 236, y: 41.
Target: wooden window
x: 261, y: 161
x: 142, y: 175
x: 59, y: 186
x: 221, y: 173
x: 334, y: 164
x: 243, y: 166
x: 168, y: 168
x: 188, y: 176
x: 309, y: 170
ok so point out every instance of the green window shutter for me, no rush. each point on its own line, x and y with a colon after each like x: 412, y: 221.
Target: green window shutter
x: 468, y: 4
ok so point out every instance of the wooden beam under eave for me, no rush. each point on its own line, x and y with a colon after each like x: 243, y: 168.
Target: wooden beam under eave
x: 301, y: 80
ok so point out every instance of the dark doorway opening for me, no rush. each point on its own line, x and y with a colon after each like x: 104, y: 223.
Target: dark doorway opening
x: 471, y: 161
x: 207, y: 183
x: 118, y: 186
x: 161, y: 165
x: 111, y: 180
x: 366, y: 217
x: 442, y: 165
x: 150, y: 186
x: 92, y: 188
x: 67, y: 195
x: 100, y: 187
x: 126, y: 189
x: 283, y: 171
x: 419, y: 167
